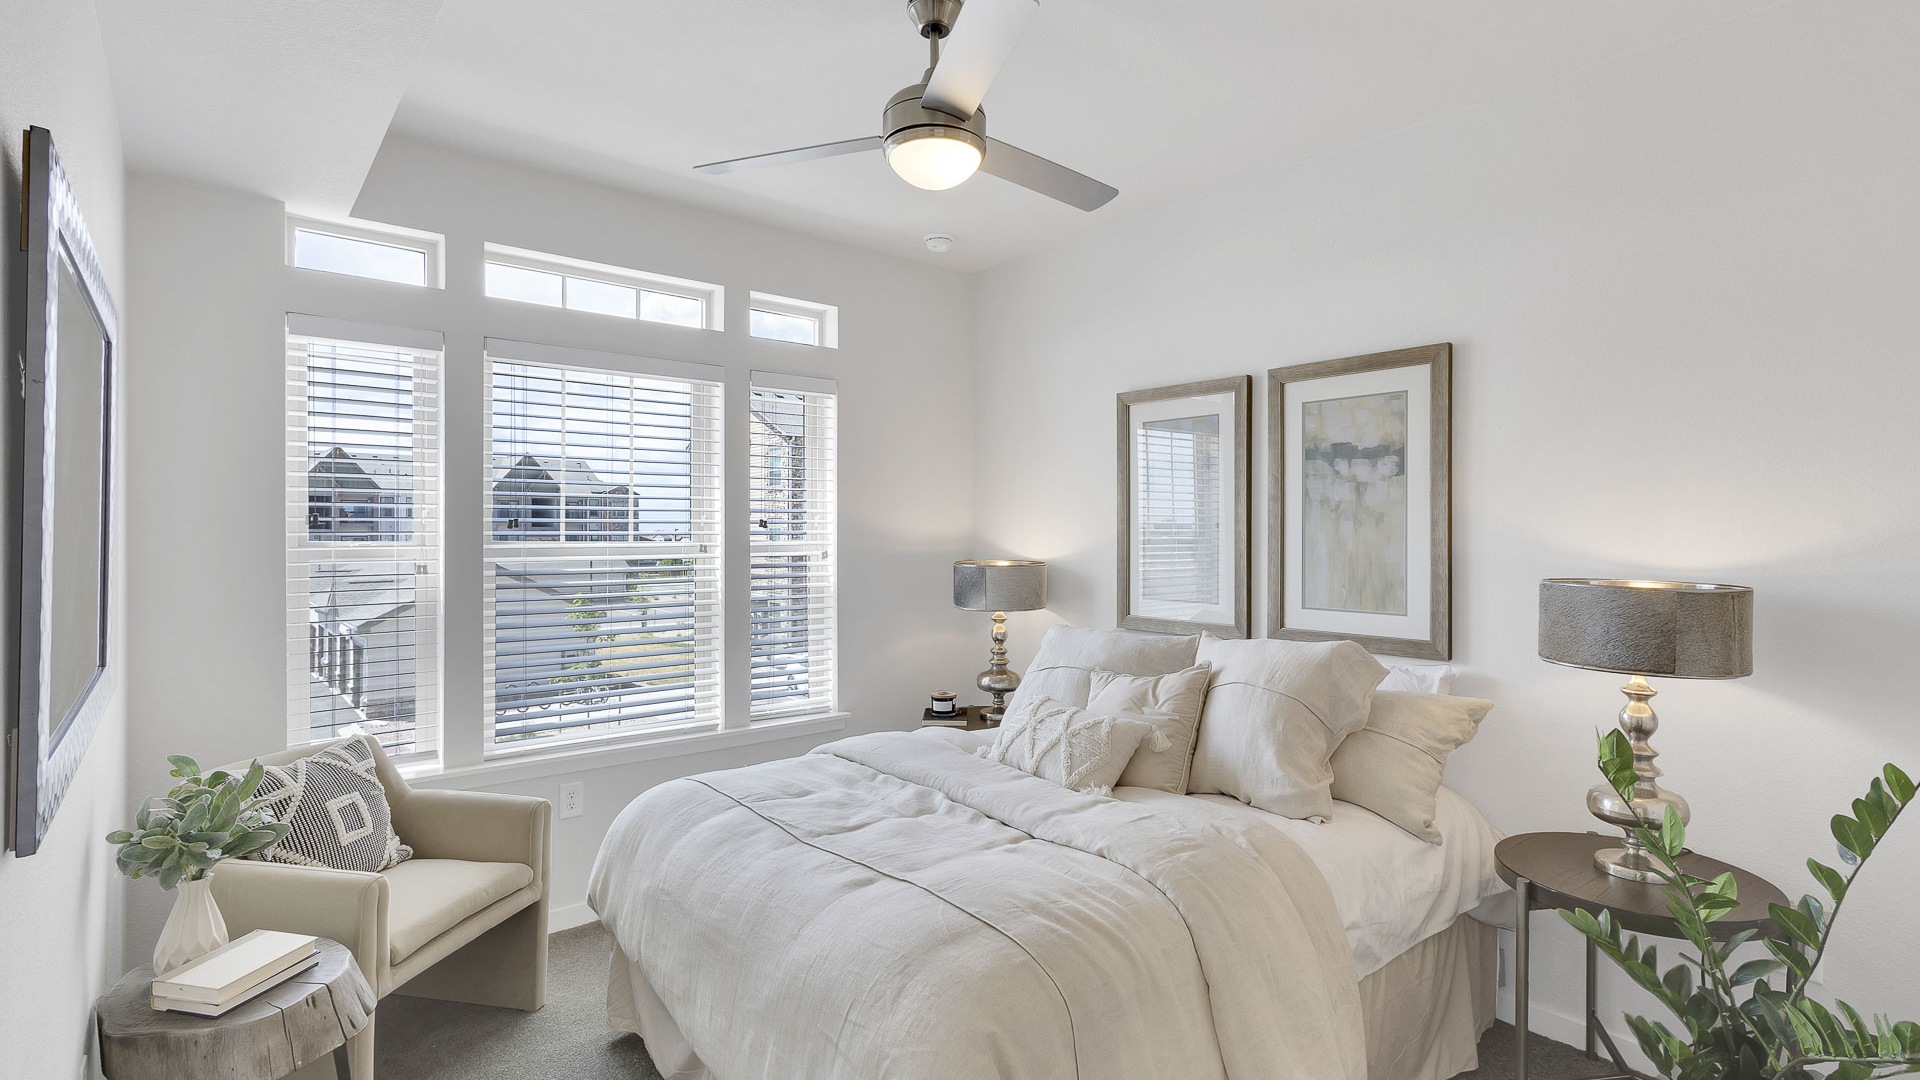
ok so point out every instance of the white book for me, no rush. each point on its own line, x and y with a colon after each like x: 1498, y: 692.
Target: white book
x: 236, y: 967
x: 202, y: 1008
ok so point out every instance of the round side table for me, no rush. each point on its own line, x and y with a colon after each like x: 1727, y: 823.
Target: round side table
x: 310, y: 1015
x: 1556, y: 870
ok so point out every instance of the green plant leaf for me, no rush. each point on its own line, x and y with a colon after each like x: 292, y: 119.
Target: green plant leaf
x: 1791, y: 954
x: 1754, y: 970
x: 1679, y: 982
x: 1673, y: 833
x: 1616, y: 762
x: 183, y: 765
x: 1796, y: 925
x: 1854, y: 838
x: 1733, y: 943
x: 119, y: 836
x: 1898, y: 784
x: 1872, y: 816
x: 1829, y: 879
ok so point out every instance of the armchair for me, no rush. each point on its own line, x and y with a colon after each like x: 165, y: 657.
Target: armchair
x: 465, y: 919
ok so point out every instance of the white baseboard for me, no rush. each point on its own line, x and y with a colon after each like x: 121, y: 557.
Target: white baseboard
x: 566, y: 918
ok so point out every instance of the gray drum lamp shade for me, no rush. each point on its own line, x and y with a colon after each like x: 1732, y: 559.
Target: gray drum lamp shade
x: 1679, y: 629
x: 999, y: 585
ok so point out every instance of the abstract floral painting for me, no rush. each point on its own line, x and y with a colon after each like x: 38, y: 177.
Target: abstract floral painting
x: 1354, y: 502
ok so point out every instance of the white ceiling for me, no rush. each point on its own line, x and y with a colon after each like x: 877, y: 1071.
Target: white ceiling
x: 1162, y: 99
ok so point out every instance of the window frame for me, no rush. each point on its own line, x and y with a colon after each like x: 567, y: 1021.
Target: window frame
x: 825, y: 317
x: 823, y: 643
x: 432, y: 245
x: 711, y: 297
x: 711, y: 716
x: 426, y: 550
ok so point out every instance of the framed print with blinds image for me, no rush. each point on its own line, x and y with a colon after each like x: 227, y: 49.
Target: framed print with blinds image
x: 1359, y: 516
x: 1183, y: 508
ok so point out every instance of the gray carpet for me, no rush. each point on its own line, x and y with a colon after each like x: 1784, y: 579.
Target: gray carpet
x: 569, y: 1039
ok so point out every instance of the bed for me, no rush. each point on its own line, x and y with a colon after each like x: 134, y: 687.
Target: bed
x: 893, y: 905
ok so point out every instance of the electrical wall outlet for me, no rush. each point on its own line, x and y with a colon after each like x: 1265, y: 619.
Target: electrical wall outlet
x: 573, y: 798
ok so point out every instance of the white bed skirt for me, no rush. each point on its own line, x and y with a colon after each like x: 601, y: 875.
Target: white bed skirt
x: 1425, y: 1011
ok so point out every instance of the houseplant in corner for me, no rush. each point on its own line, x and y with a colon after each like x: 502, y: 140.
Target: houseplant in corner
x: 1737, y: 1025
x: 180, y: 837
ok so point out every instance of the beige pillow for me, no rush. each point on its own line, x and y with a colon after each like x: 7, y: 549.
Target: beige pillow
x: 1069, y: 655
x: 1071, y: 747
x: 1274, y: 715
x: 1394, y: 764
x: 1171, y: 703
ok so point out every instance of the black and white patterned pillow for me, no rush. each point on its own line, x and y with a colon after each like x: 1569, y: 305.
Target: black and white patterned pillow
x: 336, y: 809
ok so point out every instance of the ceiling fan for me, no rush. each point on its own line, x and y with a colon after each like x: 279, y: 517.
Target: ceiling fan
x: 934, y: 132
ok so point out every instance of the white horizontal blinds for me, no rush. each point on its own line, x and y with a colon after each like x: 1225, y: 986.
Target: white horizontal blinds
x: 363, y: 539
x: 602, y: 552
x: 791, y: 498
x: 1178, y: 510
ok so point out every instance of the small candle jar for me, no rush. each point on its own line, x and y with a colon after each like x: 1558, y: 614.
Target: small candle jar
x: 943, y: 703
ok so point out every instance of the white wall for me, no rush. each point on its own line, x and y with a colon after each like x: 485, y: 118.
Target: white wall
x: 60, y: 908
x: 207, y: 437
x: 1682, y: 292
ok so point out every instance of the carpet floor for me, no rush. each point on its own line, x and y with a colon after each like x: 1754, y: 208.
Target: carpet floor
x: 569, y: 1040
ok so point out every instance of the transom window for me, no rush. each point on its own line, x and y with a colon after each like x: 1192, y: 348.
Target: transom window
x: 802, y: 322
x: 550, y: 280
x: 365, y: 250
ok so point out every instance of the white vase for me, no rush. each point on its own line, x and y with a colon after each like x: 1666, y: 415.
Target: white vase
x: 193, y: 930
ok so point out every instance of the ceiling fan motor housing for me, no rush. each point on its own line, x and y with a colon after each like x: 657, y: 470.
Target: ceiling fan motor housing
x: 934, y: 17
x: 905, y: 114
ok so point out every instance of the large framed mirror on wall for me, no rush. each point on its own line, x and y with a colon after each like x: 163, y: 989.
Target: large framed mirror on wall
x: 1183, y: 497
x: 69, y: 339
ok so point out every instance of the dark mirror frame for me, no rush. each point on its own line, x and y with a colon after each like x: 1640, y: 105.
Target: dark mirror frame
x: 46, y: 749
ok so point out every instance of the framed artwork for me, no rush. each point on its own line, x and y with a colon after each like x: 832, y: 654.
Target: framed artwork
x: 69, y: 348
x: 1359, y: 508
x: 1183, y: 501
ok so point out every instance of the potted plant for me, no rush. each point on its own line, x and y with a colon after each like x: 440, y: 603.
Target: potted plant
x: 1736, y: 1024
x: 180, y: 837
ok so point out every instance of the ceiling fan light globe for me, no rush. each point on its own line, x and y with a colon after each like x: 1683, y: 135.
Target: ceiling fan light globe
x: 934, y: 159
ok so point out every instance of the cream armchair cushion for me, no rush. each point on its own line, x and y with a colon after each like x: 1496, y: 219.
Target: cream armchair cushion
x: 464, y: 920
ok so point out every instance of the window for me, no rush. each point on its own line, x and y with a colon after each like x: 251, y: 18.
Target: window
x: 791, y: 528
x: 603, y: 546
x: 782, y: 318
x: 533, y: 278
x: 364, y: 249
x: 363, y: 543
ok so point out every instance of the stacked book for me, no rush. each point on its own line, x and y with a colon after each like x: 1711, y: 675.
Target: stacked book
x: 235, y: 973
x: 960, y: 717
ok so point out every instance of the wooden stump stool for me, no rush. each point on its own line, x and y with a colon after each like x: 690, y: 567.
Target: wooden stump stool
x: 310, y: 1015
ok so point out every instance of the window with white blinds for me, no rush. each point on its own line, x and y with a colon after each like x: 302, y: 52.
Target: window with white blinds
x: 363, y: 535
x: 791, y: 528
x: 603, y: 546
x: 1180, y: 510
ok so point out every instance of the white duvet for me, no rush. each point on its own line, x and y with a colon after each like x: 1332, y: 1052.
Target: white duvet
x: 891, y: 906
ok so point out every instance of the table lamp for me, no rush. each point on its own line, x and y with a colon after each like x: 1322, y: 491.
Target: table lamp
x: 1676, y: 629
x: 999, y: 586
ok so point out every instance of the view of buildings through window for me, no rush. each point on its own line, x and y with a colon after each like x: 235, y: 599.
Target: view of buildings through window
x: 602, y: 541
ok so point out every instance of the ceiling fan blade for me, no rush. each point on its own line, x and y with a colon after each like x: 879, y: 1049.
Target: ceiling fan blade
x: 1035, y: 173
x: 789, y: 157
x: 983, y: 37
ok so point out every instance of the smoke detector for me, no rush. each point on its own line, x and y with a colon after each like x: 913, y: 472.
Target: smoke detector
x: 939, y: 243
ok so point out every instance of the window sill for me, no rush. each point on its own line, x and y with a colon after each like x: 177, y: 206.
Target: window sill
x: 578, y: 759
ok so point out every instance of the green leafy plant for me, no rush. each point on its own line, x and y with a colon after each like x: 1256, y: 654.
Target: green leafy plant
x: 1737, y: 1025
x: 184, y: 834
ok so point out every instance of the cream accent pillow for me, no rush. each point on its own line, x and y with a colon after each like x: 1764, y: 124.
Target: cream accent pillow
x: 1069, y: 655
x: 1393, y: 765
x: 1171, y: 703
x: 1276, y: 712
x: 1069, y: 746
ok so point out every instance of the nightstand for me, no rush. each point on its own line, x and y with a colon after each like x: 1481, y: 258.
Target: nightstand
x: 1556, y: 870
x: 972, y: 713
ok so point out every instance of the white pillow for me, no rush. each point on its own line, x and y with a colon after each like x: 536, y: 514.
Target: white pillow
x: 1275, y: 713
x: 1069, y: 746
x: 1171, y: 703
x: 1393, y: 765
x: 1419, y: 678
x: 1069, y: 655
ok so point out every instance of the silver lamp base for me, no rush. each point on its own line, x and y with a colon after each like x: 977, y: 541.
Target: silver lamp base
x: 1648, y: 807
x: 998, y: 679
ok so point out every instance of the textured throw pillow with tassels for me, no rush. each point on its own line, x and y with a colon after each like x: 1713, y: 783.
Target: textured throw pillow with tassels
x: 337, y: 811
x: 1071, y: 747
